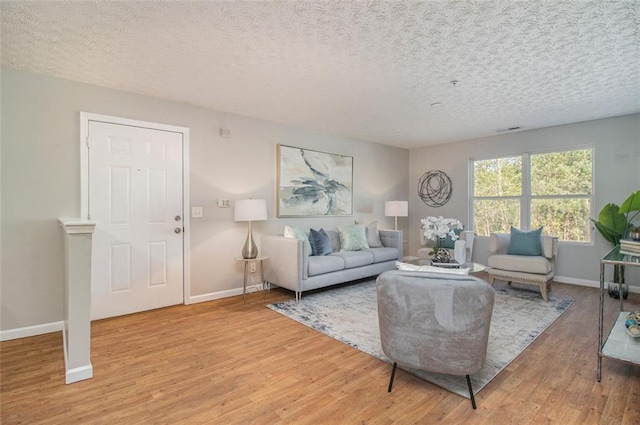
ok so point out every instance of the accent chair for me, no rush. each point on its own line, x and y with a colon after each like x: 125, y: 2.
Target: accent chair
x: 434, y: 322
x: 524, y: 268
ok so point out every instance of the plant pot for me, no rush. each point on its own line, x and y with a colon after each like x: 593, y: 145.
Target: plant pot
x: 614, y: 289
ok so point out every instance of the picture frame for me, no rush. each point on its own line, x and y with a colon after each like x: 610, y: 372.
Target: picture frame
x: 312, y: 183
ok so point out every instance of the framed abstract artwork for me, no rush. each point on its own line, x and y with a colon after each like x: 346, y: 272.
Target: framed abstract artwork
x: 312, y: 183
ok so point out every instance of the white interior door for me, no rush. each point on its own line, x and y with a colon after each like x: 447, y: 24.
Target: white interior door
x: 135, y: 195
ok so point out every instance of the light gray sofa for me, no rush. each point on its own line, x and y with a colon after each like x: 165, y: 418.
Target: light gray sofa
x: 291, y: 266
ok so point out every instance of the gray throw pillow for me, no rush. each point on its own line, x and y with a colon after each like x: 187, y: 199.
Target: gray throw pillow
x: 320, y: 243
x: 373, y: 237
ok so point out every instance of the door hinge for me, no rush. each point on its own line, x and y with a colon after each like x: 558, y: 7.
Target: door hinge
x: 88, y: 142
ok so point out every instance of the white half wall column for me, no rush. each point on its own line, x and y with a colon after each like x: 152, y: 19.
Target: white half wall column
x: 76, y: 332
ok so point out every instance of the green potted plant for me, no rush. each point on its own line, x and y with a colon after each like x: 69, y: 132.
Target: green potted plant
x: 614, y: 224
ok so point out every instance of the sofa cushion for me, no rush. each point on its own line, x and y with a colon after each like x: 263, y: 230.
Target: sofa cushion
x: 295, y: 233
x: 525, y: 243
x: 381, y: 255
x: 373, y: 237
x: 355, y: 258
x: 320, y: 243
x: 520, y: 263
x: 353, y: 237
x: 325, y: 264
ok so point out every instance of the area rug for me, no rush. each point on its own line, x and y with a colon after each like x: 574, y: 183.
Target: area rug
x: 349, y: 314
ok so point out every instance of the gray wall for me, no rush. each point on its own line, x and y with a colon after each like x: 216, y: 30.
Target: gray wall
x: 617, y: 174
x: 41, y: 182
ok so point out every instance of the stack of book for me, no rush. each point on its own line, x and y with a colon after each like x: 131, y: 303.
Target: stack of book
x: 629, y: 246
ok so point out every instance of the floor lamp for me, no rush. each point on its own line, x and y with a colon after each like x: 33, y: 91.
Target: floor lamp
x: 396, y: 209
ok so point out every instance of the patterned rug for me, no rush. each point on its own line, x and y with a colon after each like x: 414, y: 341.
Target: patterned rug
x: 349, y: 314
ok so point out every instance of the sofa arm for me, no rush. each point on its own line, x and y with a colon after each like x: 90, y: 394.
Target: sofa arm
x: 287, y: 262
x: 392, y: 239
x: 549, y: 246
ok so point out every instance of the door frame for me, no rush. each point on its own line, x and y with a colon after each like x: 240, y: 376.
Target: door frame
x: 85, y: 118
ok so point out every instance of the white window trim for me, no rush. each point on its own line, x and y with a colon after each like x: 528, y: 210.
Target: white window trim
x: 525, y: 197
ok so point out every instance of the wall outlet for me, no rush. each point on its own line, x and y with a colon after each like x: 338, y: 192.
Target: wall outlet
x: 252, y: 267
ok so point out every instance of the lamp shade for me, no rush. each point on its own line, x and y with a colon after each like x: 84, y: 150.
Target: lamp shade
x: 250, y: 210
x: 396, y: 208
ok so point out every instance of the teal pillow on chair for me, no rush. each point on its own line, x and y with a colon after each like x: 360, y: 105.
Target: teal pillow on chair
x: 450, y: 243
x: 525, y: 243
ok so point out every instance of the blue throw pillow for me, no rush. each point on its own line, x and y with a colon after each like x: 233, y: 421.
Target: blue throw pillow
x: 525, y: 243
x: 320, y: 243
x: 450, y: 243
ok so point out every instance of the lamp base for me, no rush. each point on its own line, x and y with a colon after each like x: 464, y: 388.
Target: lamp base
x: 250, y: 249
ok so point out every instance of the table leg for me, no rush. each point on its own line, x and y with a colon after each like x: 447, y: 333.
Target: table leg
x: 244, y: 284
x: 261, y: 279
x: 600, y: 321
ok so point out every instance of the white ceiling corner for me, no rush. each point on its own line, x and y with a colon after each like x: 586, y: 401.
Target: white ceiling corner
x: 368, y: 70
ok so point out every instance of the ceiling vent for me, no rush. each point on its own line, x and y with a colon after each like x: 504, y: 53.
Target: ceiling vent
x: 515, y: 128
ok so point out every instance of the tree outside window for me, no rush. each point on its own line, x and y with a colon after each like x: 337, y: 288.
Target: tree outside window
x: 552, y: 189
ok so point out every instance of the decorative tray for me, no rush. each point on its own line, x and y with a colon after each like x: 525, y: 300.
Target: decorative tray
x: 633, y: 324
x: 450, y: 264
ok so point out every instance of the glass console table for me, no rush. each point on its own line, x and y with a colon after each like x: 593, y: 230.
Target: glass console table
x: 618, y: 344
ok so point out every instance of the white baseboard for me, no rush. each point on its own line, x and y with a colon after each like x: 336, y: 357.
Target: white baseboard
x: 218, y: 295
x: 590, y: 283
x: 28, y: 331
x: 79, y: 374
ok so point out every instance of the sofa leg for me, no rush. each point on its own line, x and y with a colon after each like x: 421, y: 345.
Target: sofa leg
x: 298, y: 295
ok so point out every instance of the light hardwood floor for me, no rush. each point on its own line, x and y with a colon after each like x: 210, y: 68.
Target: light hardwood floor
x: 225, y: 362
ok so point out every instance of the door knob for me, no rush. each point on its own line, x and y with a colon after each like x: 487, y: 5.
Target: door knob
x: 177, y: 218
x: 178, y: 230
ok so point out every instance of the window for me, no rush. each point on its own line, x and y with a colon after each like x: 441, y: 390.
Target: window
x: 552, y: 189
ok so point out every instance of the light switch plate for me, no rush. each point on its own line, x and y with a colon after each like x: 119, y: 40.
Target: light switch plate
x: 197, y: 212
x: 224, y: 203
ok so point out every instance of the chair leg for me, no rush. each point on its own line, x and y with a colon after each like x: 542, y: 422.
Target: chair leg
x: 393, y: 374
x: 543, y: 290
x: 473, y: 400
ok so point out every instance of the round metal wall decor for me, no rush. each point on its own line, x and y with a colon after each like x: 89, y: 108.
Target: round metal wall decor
x: 434, y: 188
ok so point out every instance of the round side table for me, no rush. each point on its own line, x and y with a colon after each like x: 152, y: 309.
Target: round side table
x: 247, y: 268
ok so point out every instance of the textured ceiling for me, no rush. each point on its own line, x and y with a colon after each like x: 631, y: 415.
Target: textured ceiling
x: 369, y: 70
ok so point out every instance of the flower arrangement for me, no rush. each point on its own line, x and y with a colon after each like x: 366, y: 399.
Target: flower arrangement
x: 437, y: 228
